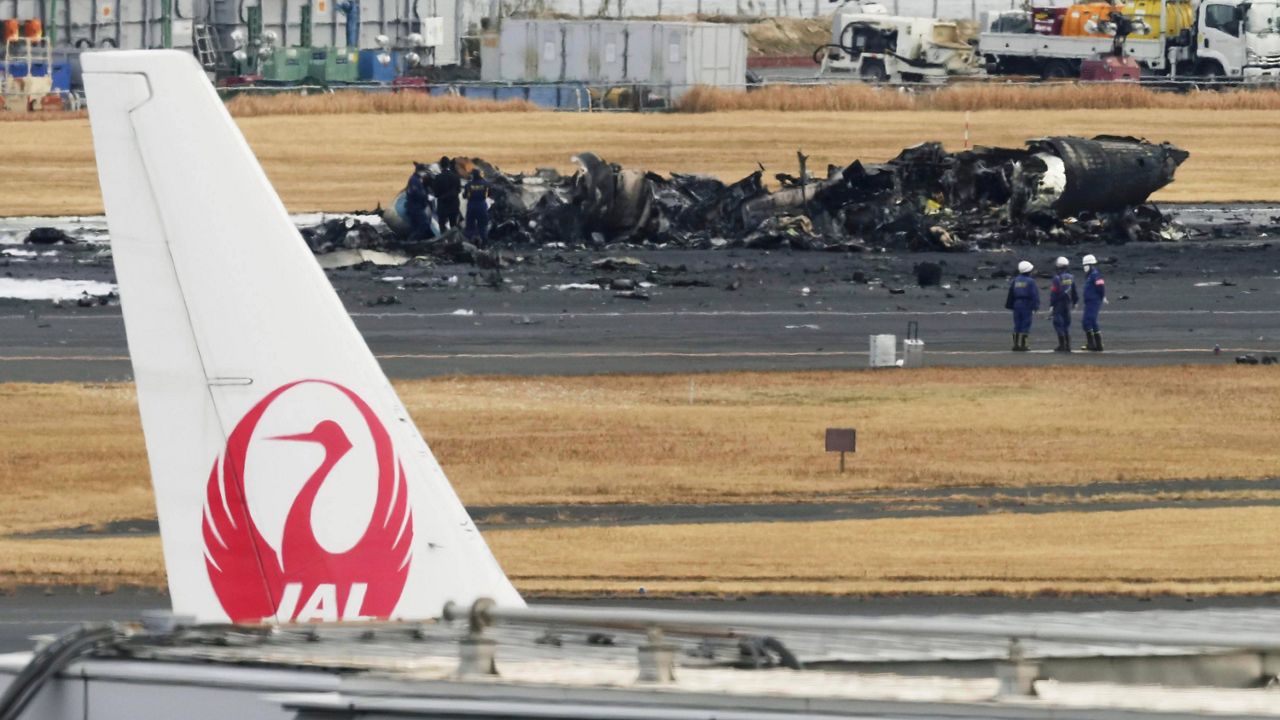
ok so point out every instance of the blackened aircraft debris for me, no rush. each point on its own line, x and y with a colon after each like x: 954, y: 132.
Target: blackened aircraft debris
x: 1056, y: 189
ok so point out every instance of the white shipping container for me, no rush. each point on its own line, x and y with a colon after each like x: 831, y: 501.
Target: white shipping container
x: 677, y: 55
x: 575, y: 49
x: 606, y: 53
x: 542, y: 57
x: 645, y: 44
x: 717, y: 55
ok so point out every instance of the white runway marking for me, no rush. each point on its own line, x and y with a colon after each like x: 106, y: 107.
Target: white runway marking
x: 771, y: 353
x: 700, y: 313
x: 676, y: 354
x: 794, y: 313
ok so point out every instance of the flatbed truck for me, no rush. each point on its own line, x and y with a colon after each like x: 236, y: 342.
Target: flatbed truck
x: 1230, y: 41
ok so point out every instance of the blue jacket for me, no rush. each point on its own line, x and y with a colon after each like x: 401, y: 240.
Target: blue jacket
x: 1095, y: 288
x: 1062, y: 293
x: 1023, y: 294
x: 415, y: 193
x: 476, y: 192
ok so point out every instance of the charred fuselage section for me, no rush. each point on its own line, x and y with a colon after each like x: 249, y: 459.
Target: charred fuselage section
x: 1056, y: 189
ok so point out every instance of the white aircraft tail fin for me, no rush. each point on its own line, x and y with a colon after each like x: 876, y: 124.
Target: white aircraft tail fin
x: 290, y: 483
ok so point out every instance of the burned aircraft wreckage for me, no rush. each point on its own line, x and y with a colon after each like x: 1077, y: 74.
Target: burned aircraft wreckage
x: 1056, y: 189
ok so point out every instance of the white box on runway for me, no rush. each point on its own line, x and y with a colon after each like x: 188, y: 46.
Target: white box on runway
x: 884, y: 351
x: 912, y: 353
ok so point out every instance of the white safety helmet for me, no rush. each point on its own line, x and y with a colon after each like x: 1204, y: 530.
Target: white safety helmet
x: 1089, y: 260
x: 1062, y: 262
x: 1025, y: 267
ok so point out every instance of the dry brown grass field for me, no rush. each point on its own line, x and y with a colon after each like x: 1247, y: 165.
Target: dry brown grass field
x: 757, y: 437
x: 1142, y: 553
x: 1138, y: 553
x: 72, y: 455
x: 351, y: 162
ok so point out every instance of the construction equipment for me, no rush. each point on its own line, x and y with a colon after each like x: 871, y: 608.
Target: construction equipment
x: 1082, y: 19
x: 1114, y: 65
x: 333, y: 64
x: 286, y: 65
x: 27, y: 75
x: 869, y: 42
x: 1169, y: 19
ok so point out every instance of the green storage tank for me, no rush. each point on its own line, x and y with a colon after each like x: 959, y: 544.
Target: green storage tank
x: 334, y: 64
x: 286, y: 64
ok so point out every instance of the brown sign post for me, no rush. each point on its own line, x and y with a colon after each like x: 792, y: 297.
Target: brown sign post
x: 842, y: 440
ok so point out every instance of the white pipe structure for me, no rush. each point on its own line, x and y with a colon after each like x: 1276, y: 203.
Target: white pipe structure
x: 486, y: 613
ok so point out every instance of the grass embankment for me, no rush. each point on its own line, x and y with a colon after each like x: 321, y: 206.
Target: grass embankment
x: 353, y: 162
x: 73, y: 455
x: 783, y: 35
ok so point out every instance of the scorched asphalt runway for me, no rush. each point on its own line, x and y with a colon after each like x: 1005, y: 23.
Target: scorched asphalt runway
x: 714, y: 311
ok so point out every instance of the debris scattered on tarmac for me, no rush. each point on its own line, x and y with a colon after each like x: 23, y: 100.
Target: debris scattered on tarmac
x: 928, y: 274
x: 48, y: 236
x: 57, y: 289
x: 618, y: 263
x: 350, y: 258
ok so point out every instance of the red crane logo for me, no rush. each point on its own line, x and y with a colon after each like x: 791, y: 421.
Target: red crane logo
x: 303, y: 580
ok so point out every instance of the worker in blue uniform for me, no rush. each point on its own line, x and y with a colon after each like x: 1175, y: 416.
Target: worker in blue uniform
x: 415, y: 203
x: 1062, y: 299
x: 477, y: 194
x: 1024, y: 301
x: 1095, y: 296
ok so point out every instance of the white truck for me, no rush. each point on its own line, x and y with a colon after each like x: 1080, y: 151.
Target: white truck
x: 1237, y: 41
x: 868, y: 42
